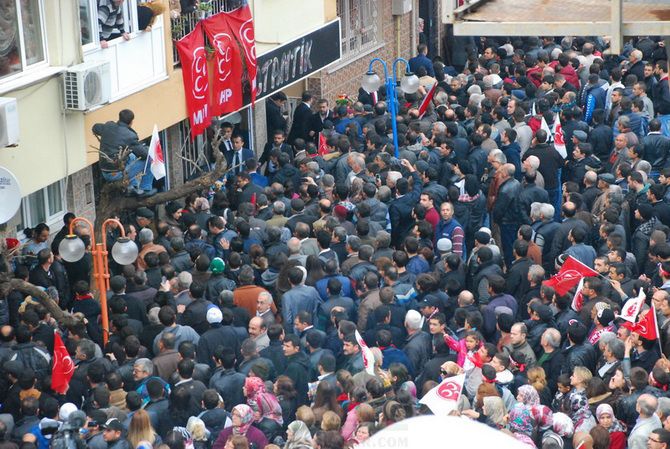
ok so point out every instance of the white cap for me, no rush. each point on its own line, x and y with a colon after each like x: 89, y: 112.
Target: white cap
x: 65, y: 410
x: 214, y: 315
x: 485, y: 229
x: 444, y: 245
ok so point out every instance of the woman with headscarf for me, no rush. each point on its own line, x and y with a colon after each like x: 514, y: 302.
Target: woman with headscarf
x: 617, y: 430
x: 243, y: 418
x: 268, y: 412
x: 564, y: 428
x: 298, y: 436
x: 521, y: 424
x: 542, y: 415
x: 494, y: 411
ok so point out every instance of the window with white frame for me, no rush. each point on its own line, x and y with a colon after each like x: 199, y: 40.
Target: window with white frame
x: 91, y: 26
x: 361, y: 26
x: 22, y: 41
x: 44, y: 206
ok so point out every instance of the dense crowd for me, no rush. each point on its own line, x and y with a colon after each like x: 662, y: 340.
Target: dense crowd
x: 237, y: 325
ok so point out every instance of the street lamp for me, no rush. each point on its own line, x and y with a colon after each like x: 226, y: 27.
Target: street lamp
x: 409, y: 84
x: 124, y: 252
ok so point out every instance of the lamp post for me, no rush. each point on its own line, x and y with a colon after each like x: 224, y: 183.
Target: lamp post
x: 409, y: 84
x: 124, y: 252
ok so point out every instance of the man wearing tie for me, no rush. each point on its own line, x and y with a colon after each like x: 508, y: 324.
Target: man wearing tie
x: 226, y: 145
x: 238, y: 156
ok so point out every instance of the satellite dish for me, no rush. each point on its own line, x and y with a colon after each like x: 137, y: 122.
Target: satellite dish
x: 10, y: 195
x: 430, y: 431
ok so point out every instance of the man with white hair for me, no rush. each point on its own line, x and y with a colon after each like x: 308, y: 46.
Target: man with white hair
x: 294, y: 251
x: 636, y: 64
x: 419, y: 343
x: 551, y: 358
x: 264, y: 308
x: 544, y: 229
x: 531, y: 165
x: 146, y: 238
x: 646, y: 423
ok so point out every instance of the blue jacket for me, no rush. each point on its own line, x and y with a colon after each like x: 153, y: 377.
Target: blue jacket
x: 394, y: 355
x: 299, y: 298
x: 421, y: 61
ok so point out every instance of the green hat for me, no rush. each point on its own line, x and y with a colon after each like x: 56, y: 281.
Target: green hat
x: 217, y: 265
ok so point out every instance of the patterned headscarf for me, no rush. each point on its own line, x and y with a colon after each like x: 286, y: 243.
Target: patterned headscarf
x: 494, y: 409
x: 616, y: 426
x: 301, y: 435
x: 520, y: 420
x: 259, y: 398
x: 246, y: 417
x: 563, y: 425
x: 528, y: 395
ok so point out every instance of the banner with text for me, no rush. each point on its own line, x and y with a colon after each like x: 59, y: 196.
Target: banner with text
x: 226, y: 70
x: 193, y: 59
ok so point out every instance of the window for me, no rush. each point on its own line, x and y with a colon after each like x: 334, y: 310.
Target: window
x: 361, y: 29
x: 91, y: 26
x: 44, y: 206
x: 22, y: 43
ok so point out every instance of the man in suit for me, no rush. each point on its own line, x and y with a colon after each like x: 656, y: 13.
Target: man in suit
x: 238, y: 156
x: 278, y: 143
x: 226, y: 145
x: 422, y: 60
x: 322, y: 114
x: 400, y: 209
x: 301, y: 118
x: 273, y: 113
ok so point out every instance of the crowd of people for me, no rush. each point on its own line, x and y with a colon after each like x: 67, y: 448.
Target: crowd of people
x: 238, y: 324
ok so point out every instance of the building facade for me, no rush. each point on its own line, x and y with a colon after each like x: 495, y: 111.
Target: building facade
x: 53, y: 65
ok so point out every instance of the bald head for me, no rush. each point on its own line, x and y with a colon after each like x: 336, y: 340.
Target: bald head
x: 465, y: 298
x: 293, y: 246
x: 646, y: 405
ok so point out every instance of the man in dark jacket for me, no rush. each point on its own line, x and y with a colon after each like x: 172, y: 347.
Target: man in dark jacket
x: 275, y: 352
x: 116, y: 136
x: 516, y: 278
x: 225, y: 380
x: 217, y: 335
x: 507, y: 210
x: 551, y: 357
x: 656, y: 148
x: 195, y: 314
x: 273, y: 113
x: 576, y: 352
x: 301, y: 118
x: 400, y: 209
x: 551, y: 163
x: 297, y: 366
x: 560, y: 241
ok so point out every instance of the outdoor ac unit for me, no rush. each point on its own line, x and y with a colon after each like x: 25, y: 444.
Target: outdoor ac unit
x: 9, y: 122
x: 86, y: 85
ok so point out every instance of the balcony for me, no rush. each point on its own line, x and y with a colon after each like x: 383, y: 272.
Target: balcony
x: 185, y: 23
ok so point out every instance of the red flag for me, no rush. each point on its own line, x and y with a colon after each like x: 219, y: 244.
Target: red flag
x: 423, y: 107
x: 578, y: 300
x: 227, y: 70
x: 63, y: 367
x: 569, y: 275
x: 646, y: 327
x: 242, y: 26
x: 323, y: 146
x: 193, y: 59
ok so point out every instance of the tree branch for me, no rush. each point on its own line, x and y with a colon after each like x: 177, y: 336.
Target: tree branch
x: 63, y: 318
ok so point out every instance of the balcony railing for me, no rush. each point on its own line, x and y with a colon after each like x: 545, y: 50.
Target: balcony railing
x: 185, y: 23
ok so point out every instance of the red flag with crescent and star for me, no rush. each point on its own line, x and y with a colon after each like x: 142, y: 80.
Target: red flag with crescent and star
x: 63, y: 367
x: 646, y: 327
x: 444, y: 398
x: 569, y: 275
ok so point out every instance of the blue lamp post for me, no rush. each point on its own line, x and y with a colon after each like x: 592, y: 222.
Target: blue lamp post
x: 409, y: 84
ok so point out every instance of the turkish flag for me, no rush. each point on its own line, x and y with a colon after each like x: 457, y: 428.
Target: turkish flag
x: 578, y: 300
x: 632, y: 307
x: 242, y: 25
x: 368, y: 357
x: 193, y: 59
x: 444, y: 398
x: 569, y: 275
x: 226, y: 72
x: 63, y: 367
x: 423, y: 107
x: 646, y: 327
x: 323, y: 147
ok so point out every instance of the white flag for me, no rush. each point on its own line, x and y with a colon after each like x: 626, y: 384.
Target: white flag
x: 155, y: 159
x: 368, y: 357
x: 632, y: 307
x: 578, y: 300
x: 444, y: 398
x: 559, y: 141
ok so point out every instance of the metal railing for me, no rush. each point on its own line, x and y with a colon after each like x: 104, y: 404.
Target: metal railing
x: 185, y: 23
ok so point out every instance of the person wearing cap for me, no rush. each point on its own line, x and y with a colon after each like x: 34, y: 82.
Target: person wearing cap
x: 430, y: 305
x: 112, y: 433
x: 217, y: 281
x: 144, y: 218
x: 217, y: 335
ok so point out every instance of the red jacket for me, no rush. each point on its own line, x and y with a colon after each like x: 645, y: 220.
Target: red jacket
x: 568, y: 72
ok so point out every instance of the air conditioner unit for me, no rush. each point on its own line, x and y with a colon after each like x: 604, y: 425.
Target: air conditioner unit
x: 9, y: 122
x: 86, y: 85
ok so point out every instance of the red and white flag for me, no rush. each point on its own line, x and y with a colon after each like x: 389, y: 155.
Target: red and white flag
x: 155, y: 160
x: 578, y: 300
x: 242, y: 26
x: 559, y: 140
x: 632, y: 307
x: 63, y: 366
x: 647, y: 327
x: 323, y: 146
x: 423, y: 107
x: 569, y: 275
x: 368, y: 357
x: 444, y: 398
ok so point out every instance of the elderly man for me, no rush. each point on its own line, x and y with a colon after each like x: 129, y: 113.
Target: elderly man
x: 646, y: 423
x: 264, y: 305
x: 419, y: 343
x: 258, y: 332
x: 551, y: 358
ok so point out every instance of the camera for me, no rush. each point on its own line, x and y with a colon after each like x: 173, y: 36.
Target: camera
x: 68, y: 436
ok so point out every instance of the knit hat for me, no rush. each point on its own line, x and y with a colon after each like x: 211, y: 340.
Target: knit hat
x: 605, y: 316
x: 214, y: 315
x: 444, y: 245
x: 217, y: 265
x: 646, y: 211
